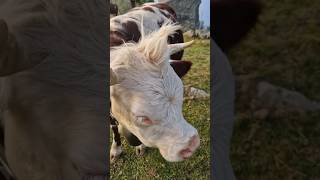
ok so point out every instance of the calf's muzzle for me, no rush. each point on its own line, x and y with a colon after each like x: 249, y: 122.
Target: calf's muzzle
x: 192, y: 146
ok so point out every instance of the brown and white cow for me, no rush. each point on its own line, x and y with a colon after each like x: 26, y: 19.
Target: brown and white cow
x: 147, y: 102
x: 126, y: 27
x: 53, y: 73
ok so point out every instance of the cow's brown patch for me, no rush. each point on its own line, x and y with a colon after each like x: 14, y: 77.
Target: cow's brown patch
x: 166, y: 7
x: 116, y: 38
x: 148, y: 8
x: 132, y: 31
x: 129, y: 32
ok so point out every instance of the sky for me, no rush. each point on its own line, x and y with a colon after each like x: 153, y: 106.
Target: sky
x: 204, y: 12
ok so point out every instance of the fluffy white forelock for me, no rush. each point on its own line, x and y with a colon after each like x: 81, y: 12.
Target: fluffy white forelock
x: 146, y: 64
x: 151, y: 51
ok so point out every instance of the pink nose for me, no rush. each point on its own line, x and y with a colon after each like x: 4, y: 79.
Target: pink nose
x: 193, y: 145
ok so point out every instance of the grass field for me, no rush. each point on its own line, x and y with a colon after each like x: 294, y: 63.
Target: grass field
x: 283, y: 49
x: 197, y: 112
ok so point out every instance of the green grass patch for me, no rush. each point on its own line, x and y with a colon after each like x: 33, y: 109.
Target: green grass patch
x: 196, y: 112
x: 283, y: 49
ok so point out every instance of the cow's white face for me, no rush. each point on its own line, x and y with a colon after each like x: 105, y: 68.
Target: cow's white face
x: 148, y: 98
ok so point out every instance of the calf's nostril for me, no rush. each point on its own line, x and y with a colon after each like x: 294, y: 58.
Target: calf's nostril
x: 185, y: 153
x: 191, y: 147
x: 194, y: 142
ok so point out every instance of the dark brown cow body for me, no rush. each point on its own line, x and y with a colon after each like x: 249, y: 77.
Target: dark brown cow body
x: 232, y: 20
x: 53, y: 88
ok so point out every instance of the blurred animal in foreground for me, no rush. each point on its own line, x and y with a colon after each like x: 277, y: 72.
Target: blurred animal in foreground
x: 231, y: 20
x: 52, y: 88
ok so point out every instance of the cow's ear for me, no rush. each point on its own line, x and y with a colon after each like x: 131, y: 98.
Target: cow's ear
x: 181, y: 67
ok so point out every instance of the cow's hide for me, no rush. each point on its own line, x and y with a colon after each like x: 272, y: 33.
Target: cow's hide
x: 232, y: 20
x: 53, y: 89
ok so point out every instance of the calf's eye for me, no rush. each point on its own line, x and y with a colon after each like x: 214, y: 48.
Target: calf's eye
x: 144, y: 120
x: 160, y: 23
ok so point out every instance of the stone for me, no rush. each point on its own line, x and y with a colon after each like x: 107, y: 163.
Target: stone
x: 265, y: 100
x: 187, y: 12
x: 195, y: 93
x: 274, y: 95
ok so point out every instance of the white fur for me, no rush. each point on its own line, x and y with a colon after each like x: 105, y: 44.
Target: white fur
x: 115, y: 151
x: 141, y: 149
x: 150, y: 87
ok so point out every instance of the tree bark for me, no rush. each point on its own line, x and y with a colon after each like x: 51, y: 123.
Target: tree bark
x: 133, y: 3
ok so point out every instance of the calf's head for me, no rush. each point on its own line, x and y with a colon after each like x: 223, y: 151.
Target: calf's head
x: 147, y: 100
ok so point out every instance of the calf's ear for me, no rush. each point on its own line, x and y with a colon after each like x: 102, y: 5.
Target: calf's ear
x: 181, y: 67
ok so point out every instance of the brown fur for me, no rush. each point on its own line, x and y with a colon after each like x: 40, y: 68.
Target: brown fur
x: 232, y: 20
x: 54, y: 111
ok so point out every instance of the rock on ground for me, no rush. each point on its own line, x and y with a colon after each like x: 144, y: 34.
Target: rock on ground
x: 263, y: 99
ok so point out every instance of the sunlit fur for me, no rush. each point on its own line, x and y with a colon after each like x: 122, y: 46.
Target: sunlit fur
x: 150, y: 87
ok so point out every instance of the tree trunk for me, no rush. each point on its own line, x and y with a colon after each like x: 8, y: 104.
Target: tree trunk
x: 133, y: 3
